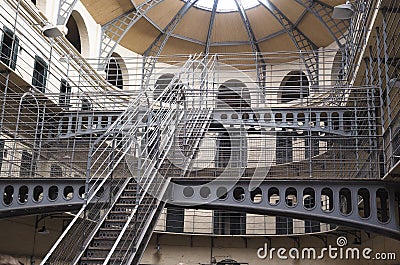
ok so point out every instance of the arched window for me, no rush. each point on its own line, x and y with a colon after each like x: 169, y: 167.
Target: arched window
x: 175, y: 92
x: 294, y: 86
x: 77, y: 33
x: 65, y: 93
x: 235, y: 94
x: 338, y: 67
x: 114, y: 71
x: 73, y: 35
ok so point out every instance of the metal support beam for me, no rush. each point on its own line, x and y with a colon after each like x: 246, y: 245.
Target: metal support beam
x: 114, y: 31
x: 65, y: 11
x: 300, y: 40
x: 151, y: 55
x: 343, y: 208
x: 259, y: 60
x: 210, y: 27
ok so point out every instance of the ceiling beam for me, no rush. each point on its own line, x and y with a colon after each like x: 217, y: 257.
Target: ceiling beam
x: 259, y: 60
x: 210, y: 27
x: 185, y: 38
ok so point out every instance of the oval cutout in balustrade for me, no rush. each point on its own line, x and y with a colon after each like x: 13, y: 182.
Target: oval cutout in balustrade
x: 68, y: 193
x: 309, y: 198
x: 8, y: 195
x: 205, y: 192
x: 188, y: 192
x: 23, y: 194
x: 273, y: 196
x: 53, y: 193
x: 256, y: 195
x: 38, y: 194
x: 239, y: 194
x: 222, y: 193
x: 364, y: 203
x: 291, y: 197
x: 327, y: 200
x: 81, y: 192
x: 345, y: 202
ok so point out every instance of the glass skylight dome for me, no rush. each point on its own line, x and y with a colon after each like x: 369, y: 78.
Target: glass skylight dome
x: 225, y: 5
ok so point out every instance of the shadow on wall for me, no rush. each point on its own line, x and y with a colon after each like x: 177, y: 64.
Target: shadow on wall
x: 8, y: 260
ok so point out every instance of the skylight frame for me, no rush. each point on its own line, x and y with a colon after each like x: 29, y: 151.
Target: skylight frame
x: 225, y: 6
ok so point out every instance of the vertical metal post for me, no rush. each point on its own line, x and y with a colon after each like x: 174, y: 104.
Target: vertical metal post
x: 371, y: 81
x: 388, y: 101
x: 310, y: 143
x: 357, y: 136
x: 139, y: 170
x: 3, y: 108
x: 385, y: 51
x: 370, y: 97
x: 381, y: 95
x: 39, y: 145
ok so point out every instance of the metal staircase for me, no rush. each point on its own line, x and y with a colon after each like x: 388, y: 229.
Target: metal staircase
x: 131, y: 152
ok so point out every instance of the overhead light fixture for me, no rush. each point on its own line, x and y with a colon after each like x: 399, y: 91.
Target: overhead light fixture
x: 43, y: 230
x: 343, y: 11
x: 52, y: 31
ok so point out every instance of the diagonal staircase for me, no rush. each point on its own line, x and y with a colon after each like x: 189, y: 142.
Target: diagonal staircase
x: 126, y: 231
x: 131, y: 155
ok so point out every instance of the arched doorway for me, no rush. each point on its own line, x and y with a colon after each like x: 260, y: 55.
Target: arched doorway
x: 294, y: 86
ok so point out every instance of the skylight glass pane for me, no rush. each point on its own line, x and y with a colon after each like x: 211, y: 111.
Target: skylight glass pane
x: 225, y: 5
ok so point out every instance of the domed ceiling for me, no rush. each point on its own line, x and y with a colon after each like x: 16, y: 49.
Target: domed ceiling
x: 222, y: 26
